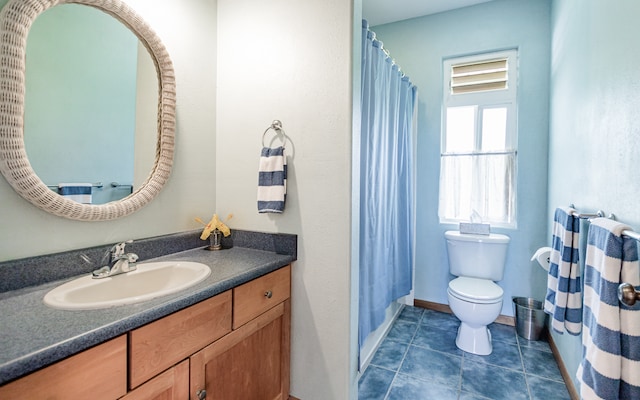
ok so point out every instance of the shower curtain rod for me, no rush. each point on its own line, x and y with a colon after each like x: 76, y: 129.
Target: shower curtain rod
x: 384, y: 50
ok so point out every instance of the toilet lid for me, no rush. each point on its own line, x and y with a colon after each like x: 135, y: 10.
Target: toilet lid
x: 475, y: 290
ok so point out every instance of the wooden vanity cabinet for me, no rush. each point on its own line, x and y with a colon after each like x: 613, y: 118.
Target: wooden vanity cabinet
x: 99, y: 373
x: 252, y: 362
x: 234, y: 345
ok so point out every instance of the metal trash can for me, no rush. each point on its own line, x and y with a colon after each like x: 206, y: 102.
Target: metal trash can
x: 530, y: 317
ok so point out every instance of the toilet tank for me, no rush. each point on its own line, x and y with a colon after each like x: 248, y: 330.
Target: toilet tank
x: 477, y: 256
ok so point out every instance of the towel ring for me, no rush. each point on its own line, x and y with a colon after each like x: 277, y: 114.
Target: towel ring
x: 276, y: 125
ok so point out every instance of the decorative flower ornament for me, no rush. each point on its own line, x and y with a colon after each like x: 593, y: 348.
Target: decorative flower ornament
x: 214, y: 224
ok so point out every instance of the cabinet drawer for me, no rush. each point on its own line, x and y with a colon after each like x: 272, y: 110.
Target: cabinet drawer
x: 259, y: 295
x: 161, y: 344
x: 97, y: 373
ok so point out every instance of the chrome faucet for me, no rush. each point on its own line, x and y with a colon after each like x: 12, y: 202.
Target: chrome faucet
x: 120, y: 262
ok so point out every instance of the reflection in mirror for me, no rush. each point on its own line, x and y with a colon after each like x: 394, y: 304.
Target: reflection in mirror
x: 90, y: 102
x: 15, y: 166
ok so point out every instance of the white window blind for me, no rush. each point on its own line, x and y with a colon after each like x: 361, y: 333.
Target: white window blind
x: 479, y: 76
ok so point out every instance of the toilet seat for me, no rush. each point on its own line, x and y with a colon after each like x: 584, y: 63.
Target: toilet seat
x: 474, y: 290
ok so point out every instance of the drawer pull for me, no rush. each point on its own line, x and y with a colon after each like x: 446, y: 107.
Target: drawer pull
x: 202, y: 394
x: 268, y: 294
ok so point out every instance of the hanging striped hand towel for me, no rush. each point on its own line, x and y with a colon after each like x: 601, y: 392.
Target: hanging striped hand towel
x: 611, y: 335
x: 272, y: 180
x: 79, y: 192
x: 563, y: 300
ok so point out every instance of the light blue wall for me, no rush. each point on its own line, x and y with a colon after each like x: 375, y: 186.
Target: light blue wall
x: 419, y: 45
x: 595, y: 108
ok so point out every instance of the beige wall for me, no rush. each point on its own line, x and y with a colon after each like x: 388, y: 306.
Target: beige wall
x: 291, y: 60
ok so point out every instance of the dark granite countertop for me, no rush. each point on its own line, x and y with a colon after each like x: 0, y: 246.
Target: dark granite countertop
x: 33, y: 335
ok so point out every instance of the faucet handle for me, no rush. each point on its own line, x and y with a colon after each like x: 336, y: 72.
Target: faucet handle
x: 118, y: 249
x: 101, y: 272
x: 132, y: 257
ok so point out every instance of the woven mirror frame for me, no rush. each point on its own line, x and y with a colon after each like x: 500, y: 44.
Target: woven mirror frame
x: 16, y: 19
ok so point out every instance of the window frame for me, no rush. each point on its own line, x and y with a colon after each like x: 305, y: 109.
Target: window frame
x: 483, y: 100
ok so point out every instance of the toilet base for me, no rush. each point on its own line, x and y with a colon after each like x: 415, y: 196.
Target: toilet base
x: 474, y: 340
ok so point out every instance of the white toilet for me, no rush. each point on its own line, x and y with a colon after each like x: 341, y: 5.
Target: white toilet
x: 477, y: 261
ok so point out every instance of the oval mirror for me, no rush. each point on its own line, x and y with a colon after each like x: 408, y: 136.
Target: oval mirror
x: 17, y: 19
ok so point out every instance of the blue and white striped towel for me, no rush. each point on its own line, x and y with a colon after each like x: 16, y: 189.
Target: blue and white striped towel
x: 272, y: 180
x: 610, y: 367
x: 79, y: 192
x: 563, y: 300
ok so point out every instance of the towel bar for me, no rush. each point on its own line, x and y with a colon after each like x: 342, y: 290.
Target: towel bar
x: 117, y: 185
x: 98, y: 185
x: 580, y: 215
x: 628, y: 233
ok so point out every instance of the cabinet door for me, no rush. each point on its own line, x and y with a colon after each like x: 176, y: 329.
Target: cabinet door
x: 97, y: 373
x: 172, y: 384
x: 251, y: 362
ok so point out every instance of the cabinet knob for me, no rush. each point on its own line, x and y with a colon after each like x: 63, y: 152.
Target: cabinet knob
x: 268, y: 294
x: 202, y: 394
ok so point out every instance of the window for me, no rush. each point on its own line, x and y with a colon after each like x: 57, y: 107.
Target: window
x: 479, y: 136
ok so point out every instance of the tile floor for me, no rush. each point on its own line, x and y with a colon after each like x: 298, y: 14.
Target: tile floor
x: 419, y: 360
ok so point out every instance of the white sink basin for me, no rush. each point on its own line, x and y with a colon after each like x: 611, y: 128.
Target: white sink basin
x: 149, y: 281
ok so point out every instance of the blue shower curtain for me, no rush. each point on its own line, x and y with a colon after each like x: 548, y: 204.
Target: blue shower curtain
x: 386, y: 184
